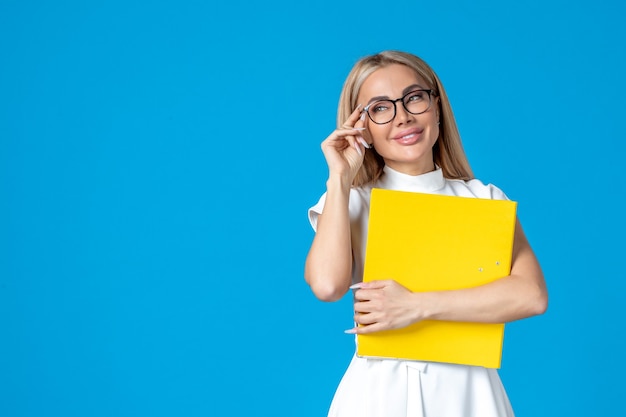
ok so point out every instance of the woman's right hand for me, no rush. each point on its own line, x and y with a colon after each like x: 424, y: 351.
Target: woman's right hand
x: 329, y: 263
x: 344, y: 149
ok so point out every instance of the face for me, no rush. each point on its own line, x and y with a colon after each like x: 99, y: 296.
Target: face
x: 406, y: 143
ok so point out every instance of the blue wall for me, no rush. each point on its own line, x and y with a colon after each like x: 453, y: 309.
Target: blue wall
x: 157, y: 160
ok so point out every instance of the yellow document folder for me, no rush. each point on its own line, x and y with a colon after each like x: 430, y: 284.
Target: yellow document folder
x: 429, y: 242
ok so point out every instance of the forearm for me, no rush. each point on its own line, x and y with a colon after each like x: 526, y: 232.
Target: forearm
x: 328, y: 265
x: 385, y: 304
x: 519, y: 295
x: 507, y: 299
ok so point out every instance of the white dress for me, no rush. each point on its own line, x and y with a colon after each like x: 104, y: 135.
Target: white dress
x: 396, y: 388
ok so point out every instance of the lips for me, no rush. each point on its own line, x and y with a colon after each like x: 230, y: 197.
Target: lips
x: 409, y: 136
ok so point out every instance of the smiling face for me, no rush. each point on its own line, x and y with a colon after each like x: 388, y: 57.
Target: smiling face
x: 406, y: 143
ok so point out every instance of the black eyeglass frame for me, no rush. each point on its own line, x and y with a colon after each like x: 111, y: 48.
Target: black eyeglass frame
x: 430, y: 93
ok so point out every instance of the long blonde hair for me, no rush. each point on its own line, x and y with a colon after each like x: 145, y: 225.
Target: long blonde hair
x: 448, y: 151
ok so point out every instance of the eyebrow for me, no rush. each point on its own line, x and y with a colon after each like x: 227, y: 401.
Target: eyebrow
x: 406, y: 90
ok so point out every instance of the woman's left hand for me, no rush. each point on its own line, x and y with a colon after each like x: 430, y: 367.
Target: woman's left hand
x: 384, y: 305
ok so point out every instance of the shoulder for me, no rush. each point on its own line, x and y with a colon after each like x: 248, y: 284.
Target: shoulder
x: 475, y: 188
x: 358, y: 204
x: 360, y: 198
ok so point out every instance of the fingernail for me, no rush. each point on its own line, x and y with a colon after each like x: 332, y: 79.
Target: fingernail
x: 359, y: 128
x: 358, y: 149
x: 362, y: 117
x: 350, y: 331
x: 363, y: 142
x: 356, y: 286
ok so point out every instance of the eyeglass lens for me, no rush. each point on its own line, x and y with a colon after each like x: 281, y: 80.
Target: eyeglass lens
x: 384, y: 111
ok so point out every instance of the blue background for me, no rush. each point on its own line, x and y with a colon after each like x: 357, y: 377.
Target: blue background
x: 157, y: 160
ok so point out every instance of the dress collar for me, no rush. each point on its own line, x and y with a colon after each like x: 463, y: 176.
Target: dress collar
x: 428, y: 182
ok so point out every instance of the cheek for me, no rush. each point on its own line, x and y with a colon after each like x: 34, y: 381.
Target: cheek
x: 375, y: 132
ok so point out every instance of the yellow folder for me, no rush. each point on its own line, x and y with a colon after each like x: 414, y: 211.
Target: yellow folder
x: 431, y: 242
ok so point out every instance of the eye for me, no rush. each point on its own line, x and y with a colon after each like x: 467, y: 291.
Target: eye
x: 416, y: 96
x: 380, y: 107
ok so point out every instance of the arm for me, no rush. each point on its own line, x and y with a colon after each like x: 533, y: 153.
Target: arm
x: 386, y: 304
x: 328, y: 266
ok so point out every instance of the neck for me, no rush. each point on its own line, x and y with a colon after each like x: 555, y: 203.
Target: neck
x: 412, y: 169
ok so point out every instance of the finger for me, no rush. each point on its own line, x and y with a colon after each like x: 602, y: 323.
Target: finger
x: 370, y: 328
x: 345, y: 131
x: 363, y: 307
x: 354, y: 140
x: 361, y: 121
x: 353, y: 118
x: 341, y: 134
x: 376, y: 284
x: 355, y: 144
x: 341, y: 140
x: 366, y: 294
x: 379, y: 283
x: 365, y: 319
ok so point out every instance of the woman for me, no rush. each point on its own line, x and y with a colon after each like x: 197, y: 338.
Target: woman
x: 396, y: 131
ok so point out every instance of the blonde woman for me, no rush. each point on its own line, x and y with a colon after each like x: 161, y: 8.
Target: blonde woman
x: 396, y: 130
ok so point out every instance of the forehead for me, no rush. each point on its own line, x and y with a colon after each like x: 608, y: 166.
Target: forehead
x: 390, y: 81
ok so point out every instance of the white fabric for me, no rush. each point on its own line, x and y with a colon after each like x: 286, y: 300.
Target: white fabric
x: 393, y: 388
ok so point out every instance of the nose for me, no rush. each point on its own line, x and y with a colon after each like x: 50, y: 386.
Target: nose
x: 402, y: 115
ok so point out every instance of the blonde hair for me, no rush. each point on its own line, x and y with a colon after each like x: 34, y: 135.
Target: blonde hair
x: 448, y: 151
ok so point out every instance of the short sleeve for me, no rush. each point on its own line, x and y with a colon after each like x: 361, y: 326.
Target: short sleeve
x: 358, y: 206
x: 477, y: 189
x: 496, y: 193
x: 316, y: 210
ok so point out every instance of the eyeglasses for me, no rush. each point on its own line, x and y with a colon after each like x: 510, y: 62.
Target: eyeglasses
x: 384, y: 111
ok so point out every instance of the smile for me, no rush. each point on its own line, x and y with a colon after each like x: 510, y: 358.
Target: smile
x: 408, y: 137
